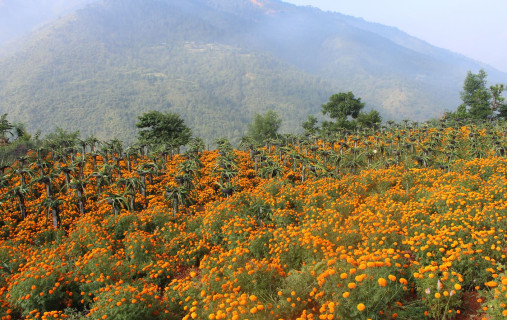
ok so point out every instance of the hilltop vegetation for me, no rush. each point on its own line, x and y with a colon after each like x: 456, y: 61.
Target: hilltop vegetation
x: 217, y: 63
x: 407, y: 221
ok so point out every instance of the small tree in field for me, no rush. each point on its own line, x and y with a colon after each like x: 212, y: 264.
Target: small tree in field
x: 345, y: 110
x: 370, y: 119
x: 5, y: 129
x: 163, y: 128
x: 479, y: 101
x: 475, y: 96
x: 310, y: 125
x: 264, y: 126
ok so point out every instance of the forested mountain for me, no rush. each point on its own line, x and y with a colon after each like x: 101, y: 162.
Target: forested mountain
x: 217, y: 62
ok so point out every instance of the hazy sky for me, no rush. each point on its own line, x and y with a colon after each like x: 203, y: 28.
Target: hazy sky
x: 477, y: 29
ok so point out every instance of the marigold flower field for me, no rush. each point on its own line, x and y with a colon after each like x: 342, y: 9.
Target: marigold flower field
x: 405, y: 222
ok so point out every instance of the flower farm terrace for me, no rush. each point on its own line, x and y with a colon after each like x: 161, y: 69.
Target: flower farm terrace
x: 407, y: 222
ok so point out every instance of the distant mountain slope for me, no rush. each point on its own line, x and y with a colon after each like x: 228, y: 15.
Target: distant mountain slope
x: 217, y: 62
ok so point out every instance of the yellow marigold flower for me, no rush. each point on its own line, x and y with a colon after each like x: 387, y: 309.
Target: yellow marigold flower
x: 361, y: 307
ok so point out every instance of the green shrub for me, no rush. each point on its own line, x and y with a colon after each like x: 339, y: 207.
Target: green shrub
x: 294, y: 292
x: 43, y: 286
x: 98, y: 269
x: 48, y: 236
x: 440, y: 291
x: 119, y: 225
x: 139, y: 248
x: 129, y: 302
x: 495, y: 296
x: 259, y: 245
x: 374, y: 287
x: 86, y: 236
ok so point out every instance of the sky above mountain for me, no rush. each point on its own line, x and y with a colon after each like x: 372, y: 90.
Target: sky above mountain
x: 474, y: 28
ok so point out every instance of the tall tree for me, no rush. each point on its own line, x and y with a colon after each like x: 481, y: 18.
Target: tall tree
x: 341, y: 107
x: 5, y: 128
x: 61, y: 139
x: 475, y: 96
x: 498, y: 101
x: 163, y: 128
x: 368, y: 120
x: 264, y: 126
x: 310, y: 125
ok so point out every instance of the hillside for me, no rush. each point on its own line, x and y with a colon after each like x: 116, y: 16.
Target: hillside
x: 217, y: 63
x: 408, y: 223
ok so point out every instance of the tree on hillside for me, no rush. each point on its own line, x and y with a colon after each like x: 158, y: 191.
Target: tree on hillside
x: 5, y: 129
x: 14, y: 141
x: 264, y: 126
x: 61, y: 138
x: 479, y: 101
x: 498, y: 101
x: 475, y: 96
x: 310, y: 125
x: 370, y: 119
x: 341, y: 107
x: 345, y: 109
x: 158, y: 128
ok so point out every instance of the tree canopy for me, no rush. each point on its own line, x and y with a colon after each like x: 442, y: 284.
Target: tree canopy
x: 369, y: 119
x: 5, y: 128
x: 345, y: 109
x: 310, y: 125
x: 475, y: 96
x: 14, y: 140
x: 163, y: 128
x: 343, y: 105
x: 264, y: 126
x: 479, y: 101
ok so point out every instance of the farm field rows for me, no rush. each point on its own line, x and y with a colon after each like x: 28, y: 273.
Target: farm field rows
x: 407, y: 222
